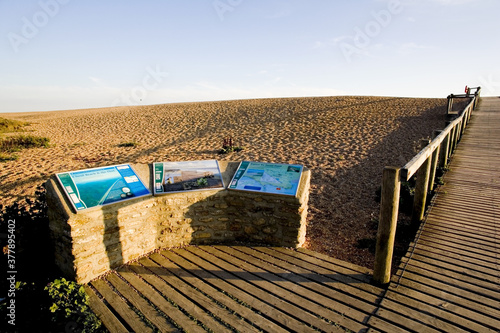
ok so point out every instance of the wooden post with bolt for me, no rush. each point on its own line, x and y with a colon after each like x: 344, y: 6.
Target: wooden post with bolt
x: 389, y: 207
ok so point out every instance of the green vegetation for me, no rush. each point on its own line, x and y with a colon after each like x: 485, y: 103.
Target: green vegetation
x: 71, y: 303
x: 8, y: 157
x: 8, y: 125
x: 13, y: 144
x: 44, y: 302
x: 128, y: 144
x: 228, y: 146
x: 16, y: 143
x: 202, y: 182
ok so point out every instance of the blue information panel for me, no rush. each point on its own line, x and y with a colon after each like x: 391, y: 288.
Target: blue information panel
x: 267, y: 178
x: 102, y: 186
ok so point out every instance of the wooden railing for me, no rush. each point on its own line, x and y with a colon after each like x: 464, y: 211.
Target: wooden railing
x: 433, y: 154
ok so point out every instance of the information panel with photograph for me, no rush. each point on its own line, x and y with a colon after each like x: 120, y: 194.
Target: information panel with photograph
x: 267, y: 178
x: 102, y: 186
x: 187, y: 176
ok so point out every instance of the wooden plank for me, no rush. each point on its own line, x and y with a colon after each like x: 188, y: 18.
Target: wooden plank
x: 255, y: 297
x: 322, y: 283
x: 269, y: 256
x: 154, y: 316
x: 455, y: 255
x: 122, y: 308
x: 155, y: 297
x: 296, y: 284
x: 306, y: 310
x: 483, y: 287
x: 187, y: 298
x: 223, y: 313
x: 456, y: 236
x: 352, y: 279
x: 461, y: 266
x: 402, y: 319
x: 432, y: 316
x: 472, y: 293
x: 486, y: 260
x: 108, y: 319
x: 472, y: 252
x: 442, y: 296
x: 186, y: 272
x: 317, y: 264
x: 468, y: 318
x: 319, y: 256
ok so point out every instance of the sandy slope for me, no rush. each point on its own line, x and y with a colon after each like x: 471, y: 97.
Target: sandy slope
x: 345, y: 141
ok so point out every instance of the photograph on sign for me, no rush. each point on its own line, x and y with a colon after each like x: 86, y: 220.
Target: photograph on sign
x: 267, y: 178
x: 187, y: 176
x: 101, y: 186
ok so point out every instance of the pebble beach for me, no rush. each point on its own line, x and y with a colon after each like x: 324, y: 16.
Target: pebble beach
x: 345, y: 141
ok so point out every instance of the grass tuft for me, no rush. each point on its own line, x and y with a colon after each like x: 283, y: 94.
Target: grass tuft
x: 128, y: 144
x: 16, y: 143
x: 9, y: 125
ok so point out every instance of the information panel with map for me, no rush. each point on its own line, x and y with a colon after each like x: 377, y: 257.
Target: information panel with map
x: 267, y: 178
x: 187, y: 176
x: 101, y: 186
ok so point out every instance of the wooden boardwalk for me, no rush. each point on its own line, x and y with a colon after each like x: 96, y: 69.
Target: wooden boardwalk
x: 450, y: 278
x: 448, y: 282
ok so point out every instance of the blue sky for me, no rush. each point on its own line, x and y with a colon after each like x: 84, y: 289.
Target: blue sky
x: 71, y: 54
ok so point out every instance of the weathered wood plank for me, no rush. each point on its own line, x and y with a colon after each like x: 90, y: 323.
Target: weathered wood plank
x: 183, y: 295
x: 435, y: 280
x: 243, y: 290
x: 322, y: 283
x: 201, y: 279
x: 140, y: 304
x: 466, y: 311
x: 295, y: 304
x: 122, y: 308
x: 157, y: 298
x: 223, y: 313
x: 296, y: 284
x: 104, y: 313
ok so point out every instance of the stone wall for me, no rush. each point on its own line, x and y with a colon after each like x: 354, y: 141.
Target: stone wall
x: 91, y: 242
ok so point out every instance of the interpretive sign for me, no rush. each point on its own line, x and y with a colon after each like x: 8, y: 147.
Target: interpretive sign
x: 187, y: 176
x: 267, y: 178
x: 101, y: 186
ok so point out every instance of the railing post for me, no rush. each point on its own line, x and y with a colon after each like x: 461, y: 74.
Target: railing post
x: 450, y: 104
x: 421, y: 187
x: 444, y: 151
x: 434, y: 162
x: 452, y: 141
x: 476, y: 95
x: 388, y: 220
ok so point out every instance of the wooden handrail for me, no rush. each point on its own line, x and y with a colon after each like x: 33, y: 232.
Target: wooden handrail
x: 414, y: 164
x: 424, y: 164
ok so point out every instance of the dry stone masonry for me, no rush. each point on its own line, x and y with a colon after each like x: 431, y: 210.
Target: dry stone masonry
x: 91, y: 242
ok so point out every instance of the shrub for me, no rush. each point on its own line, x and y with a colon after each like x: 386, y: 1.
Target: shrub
x: 70, y: 303
x: 36, y: 295
x: 16, y: 143
x: 128, y: 144
x: 228, y: 146
x: 8, y: 125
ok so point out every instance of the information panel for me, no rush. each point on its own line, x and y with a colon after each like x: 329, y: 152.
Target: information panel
x: 187, y: 176
x: 102, y: 186
x: 267, y: 178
